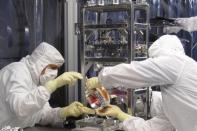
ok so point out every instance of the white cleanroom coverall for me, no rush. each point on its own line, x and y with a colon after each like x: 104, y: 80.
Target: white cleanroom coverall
x: 156, y: 104
x: 23, y: 102
x: 169, y: 67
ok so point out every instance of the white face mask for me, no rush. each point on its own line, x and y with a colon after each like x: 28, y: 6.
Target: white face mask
x: 50, y: 74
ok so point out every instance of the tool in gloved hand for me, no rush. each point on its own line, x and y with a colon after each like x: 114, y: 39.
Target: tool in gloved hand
x: 96, y: 95
x: 113, y: 111
x: 67, y: 78
x: 74, y: 112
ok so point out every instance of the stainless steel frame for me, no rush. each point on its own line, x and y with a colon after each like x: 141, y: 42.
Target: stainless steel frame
x: 71, y: 46
x: 131, y: 26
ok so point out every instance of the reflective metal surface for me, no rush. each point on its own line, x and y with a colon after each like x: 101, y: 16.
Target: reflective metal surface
x: 100, y: 124
x: 98, y: 98
x: 112, y: 34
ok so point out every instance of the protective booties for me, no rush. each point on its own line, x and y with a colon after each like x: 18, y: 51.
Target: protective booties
x: 93, y: 83
x: 67, y: 78
x: 75, y: 109
x: 113, y: 111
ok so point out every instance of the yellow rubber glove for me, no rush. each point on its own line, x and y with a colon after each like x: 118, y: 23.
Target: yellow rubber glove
x: 113, y: 111
x: 93, y: 83
x: 75, y: 109
x: 67, y: 78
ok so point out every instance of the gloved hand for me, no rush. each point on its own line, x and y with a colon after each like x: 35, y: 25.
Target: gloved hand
x: 113, y: 111
x: 67, y: 78
x: 75, y: 109
x: 93, y: 83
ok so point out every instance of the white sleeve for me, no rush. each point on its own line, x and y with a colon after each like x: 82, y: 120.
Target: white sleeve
x: 50, y: 116
x: 22, y: 99
x: 158, y: 123
x: 190, y: 24
x: 150, y: 72
x: 156, y: 104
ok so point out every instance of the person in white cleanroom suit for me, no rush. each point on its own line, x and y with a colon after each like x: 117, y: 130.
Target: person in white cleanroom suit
x: 187, y: 24
x: 25, y: 89
x: 169, y: 67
